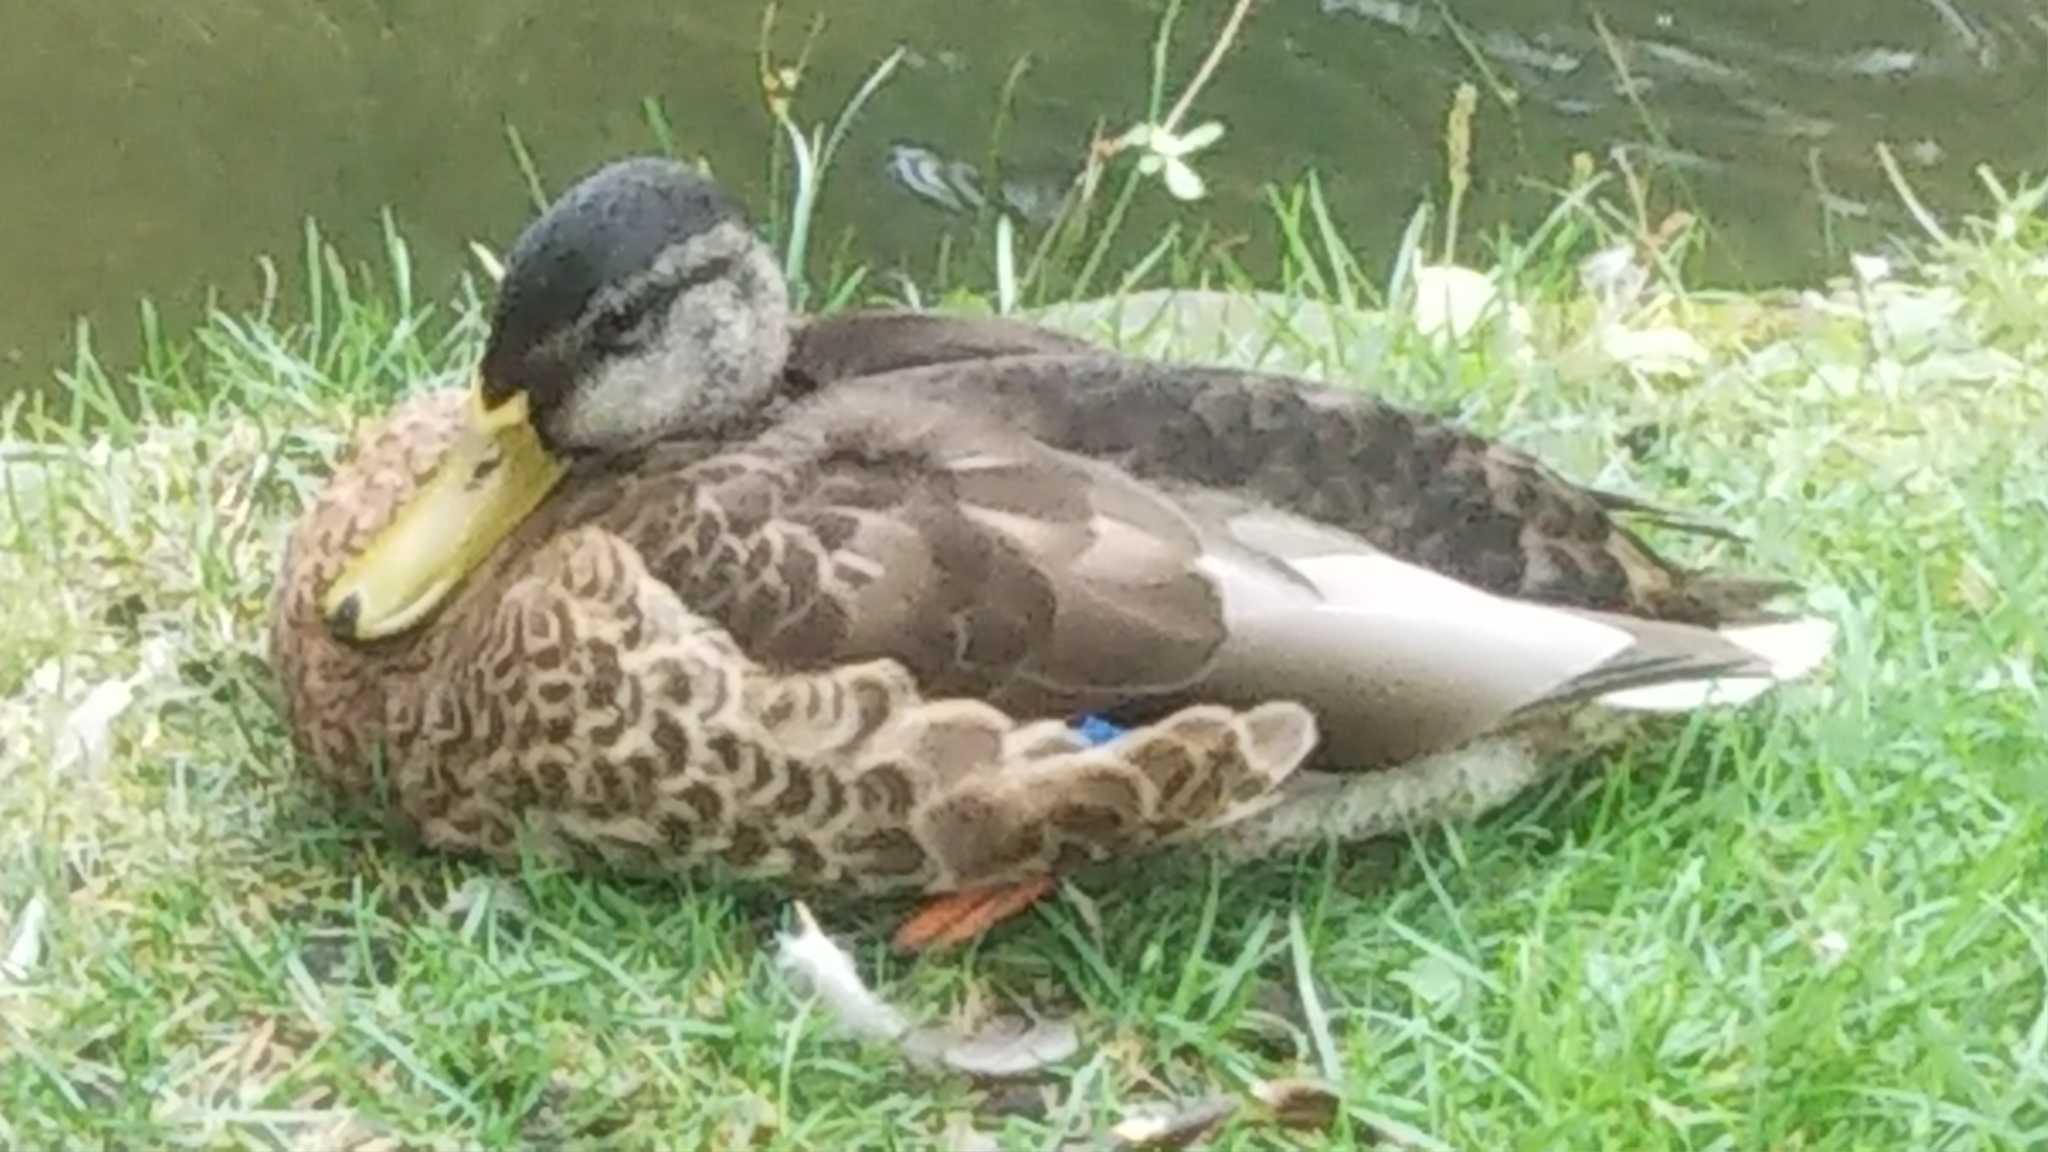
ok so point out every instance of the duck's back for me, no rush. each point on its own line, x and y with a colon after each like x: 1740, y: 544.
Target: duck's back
x: 1416, y: 486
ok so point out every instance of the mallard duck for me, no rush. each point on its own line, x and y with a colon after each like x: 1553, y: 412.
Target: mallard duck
x: 679, y: 580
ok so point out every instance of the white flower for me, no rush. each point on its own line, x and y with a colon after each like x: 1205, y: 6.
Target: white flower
x: 1167, y: 152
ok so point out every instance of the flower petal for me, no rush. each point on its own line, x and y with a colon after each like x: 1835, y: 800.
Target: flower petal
x: 1182, y: 181
x: 1194, y: 139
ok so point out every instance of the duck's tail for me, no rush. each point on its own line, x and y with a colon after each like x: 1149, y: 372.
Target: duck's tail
x: 1779, y: 652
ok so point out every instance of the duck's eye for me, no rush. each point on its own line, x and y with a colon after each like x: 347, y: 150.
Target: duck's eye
x: 625, y: 327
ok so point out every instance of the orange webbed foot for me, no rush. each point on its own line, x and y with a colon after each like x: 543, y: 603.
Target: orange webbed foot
x: 958, y: 918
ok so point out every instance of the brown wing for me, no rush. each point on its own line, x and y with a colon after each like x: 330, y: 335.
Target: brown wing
x: 1416, y: 486
x: 1413, y: 484
x: 877, y: 524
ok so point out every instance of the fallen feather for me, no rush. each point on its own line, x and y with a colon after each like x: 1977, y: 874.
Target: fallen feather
x: 828, y: 971
x: 1012, y: 1049
x: 1008, y: 1049
x: 86, y: 737
x: 25, y: 943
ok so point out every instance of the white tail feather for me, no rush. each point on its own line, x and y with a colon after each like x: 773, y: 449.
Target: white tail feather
x: 1793, y: 649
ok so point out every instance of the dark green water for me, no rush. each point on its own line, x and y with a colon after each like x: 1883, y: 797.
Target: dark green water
x: 156, y: 148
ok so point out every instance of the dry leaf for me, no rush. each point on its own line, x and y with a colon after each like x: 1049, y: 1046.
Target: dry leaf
x: 1297, y: 1105
x: 1302, y: 1105
x: 1180, y: 1127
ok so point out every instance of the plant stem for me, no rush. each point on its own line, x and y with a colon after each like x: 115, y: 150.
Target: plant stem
x: 1209, y: 64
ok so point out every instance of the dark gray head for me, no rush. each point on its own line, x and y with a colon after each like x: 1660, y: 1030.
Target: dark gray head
x: 638, y: 306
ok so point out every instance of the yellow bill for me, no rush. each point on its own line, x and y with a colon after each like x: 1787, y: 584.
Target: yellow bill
x: 494, y: 476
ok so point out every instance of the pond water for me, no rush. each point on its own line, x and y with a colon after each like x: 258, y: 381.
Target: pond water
x: 156, y: 148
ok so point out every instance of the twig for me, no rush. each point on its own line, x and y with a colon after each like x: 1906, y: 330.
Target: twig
x: 1630, y: 86
x: 1209, y: 65
x: 1508, y: 97
x: 1921, y: 215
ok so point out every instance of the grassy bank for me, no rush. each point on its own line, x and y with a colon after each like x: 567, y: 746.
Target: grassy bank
x: 1818, y: 924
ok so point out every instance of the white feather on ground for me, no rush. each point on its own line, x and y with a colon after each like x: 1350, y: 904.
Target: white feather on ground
x: 1006, y: 1049
x: 828, y: 972
x: 25, y: 942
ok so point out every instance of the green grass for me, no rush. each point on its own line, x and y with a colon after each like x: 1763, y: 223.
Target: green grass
x: 1818, y: 924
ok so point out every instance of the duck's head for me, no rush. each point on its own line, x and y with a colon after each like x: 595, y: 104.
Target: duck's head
x: 638, y: 307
